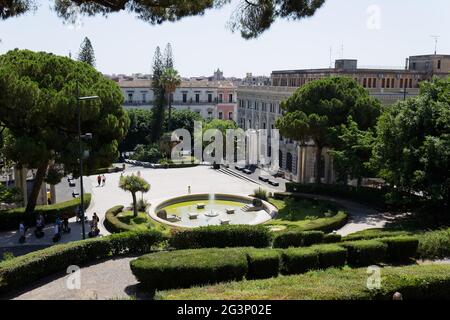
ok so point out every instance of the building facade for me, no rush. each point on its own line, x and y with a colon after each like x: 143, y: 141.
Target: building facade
x: 209, y: 98
x: 259, y: 106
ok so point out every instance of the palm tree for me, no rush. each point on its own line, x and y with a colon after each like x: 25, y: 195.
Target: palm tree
x: 169, y: 80
x: 134, y: 184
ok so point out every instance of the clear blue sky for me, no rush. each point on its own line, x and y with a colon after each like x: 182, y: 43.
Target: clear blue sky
x: 124, y: 44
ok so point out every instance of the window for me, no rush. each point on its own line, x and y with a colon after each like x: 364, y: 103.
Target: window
x: 144, y: 100
x: 220, y: 115
x: 439, y: 64
x: 230, y: 97
x: 383, y: 83
x: 388, y: 83
x: 374, y: 83
x: 410, y: 83
x: 209, y: 97
x: 370, y: 82
x: 220, y: 97
x: 230, y: 115
x: 365, y: 83
x: 197, y: 97
x: 130, y: 97
x: 184, y: 97
x: 414, y: 66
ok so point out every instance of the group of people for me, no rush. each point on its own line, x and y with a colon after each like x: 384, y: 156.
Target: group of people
x: 101, y: 180
x: 61, y: 226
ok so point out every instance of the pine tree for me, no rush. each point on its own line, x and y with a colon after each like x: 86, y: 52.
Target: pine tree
x: 158, y: 92
x: 168, y: 57
x: 86, y: 53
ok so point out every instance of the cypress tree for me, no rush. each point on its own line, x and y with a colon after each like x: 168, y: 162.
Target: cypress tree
x: 86, y: 53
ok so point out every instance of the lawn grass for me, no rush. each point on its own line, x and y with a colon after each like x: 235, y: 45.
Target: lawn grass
x: 306, y: 214
x: 414, y: 282
x: 141, y: 222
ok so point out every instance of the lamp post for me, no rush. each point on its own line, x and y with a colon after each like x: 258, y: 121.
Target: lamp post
x: 80, y: 136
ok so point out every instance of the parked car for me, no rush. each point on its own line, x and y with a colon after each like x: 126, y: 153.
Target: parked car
x: 274, y: 183
x: 246, y: 171
x: 264, y: 179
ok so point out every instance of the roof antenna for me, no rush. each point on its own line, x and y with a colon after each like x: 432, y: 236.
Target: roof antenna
x: 436, y: 39
x: 331, y: 59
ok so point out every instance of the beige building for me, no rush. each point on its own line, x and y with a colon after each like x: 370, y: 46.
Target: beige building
x: 259, y: 106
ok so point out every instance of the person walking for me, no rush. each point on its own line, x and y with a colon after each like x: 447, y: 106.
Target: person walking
x: 99, y: 180
x: 22, y: 231
x: 103, y: 180
x: 189, y: 189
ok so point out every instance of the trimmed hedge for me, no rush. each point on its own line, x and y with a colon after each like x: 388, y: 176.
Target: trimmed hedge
x: 185, y: 268
x: 401, y: 248
x: 416, y: 282
x: 331, y: 255
x: 112, y: 223
x: 38, y: 264
x: 10, y: 219
x: 376, y: 233
x: 299, y: 260
x: 332, y: 238
x: 371, y: 196
x: 297, y: 239
x: 365, y: 252
x: 263, y: 263
x: 221, y: 237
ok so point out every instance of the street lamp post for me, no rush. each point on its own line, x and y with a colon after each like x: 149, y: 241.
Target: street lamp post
x: 80, y: 155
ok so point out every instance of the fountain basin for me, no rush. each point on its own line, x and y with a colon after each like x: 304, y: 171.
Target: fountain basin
x: 219, y: 209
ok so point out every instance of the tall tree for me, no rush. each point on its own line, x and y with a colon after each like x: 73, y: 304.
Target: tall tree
x: 139, y: 131
x: 86, y: 53
x: 412, y: 150
x: 168, y: 57
x: 169, y: 80
x: 316, y: 110
x: 38, y: 105
x: 250, y: 17
x: 159, y: 96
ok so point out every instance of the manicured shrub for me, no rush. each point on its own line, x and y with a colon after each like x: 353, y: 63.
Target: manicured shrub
x: 10, y: 219
x: 375, y: 233
x: 221, y: 237
x: 365, y: 252
x: 185, y: 268
x: 260, y: 193
x: 299, y: 260
x: 332, y: 238
x: 112, y: 223
x: 434, y: 244
x: 38, y: 264
x: 330, y: 255
x: 263, y: 263
x: 296, y: 238
x: 401, y: 248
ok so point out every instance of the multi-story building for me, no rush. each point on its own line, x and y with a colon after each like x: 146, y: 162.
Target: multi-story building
x: 259, y: 106
x: 251, y: 80
x: 211, y: 99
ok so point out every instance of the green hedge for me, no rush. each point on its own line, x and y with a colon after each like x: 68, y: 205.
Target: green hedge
x: 365, y: 252
x: 371, y: 196
x: 330, y: 255
x: 297, y: 238
x: 263, y: 263
x: 185, y: 268
x: 332, y: 238
x: 375, y: 233
x: 401, y: 248
x: 434, y: 244
x: 416, y: 282
x: 10, y: 219
x: 112, y: 223
x: 38, y: 264
x: 299, y: 260
x: 221, y: 237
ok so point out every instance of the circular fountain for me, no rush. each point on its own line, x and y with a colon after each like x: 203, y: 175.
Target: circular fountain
x: 197, y: 210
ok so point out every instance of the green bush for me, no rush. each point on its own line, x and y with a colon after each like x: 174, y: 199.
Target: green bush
x: 374, y: 234
x: 365, y: 252
x: 10, y: 219
x: 185, y: 268
x: 434, y: 244
x: 414, y: 282
x: 260, y: 193
x: 332, y: 238
x: 25, y: 269
x: 112, y: 223
x: 296, y: 238
x: 263, y: 263
x: 330, y: 255
x: 401, y: 248
x: 221, y: 237
x: 299, y: 260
